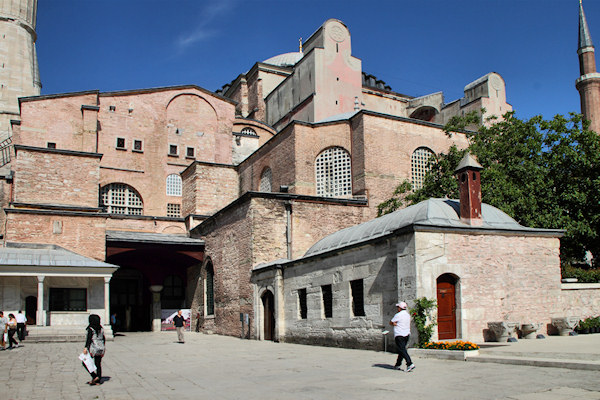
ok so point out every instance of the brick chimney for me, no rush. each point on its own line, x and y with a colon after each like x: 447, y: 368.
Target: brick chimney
x: 470, y: 190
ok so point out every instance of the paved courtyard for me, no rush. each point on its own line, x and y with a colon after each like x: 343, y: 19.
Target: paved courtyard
x: 154, y: 366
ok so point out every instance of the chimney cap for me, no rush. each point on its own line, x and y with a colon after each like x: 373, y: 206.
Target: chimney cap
x: 468, y: 162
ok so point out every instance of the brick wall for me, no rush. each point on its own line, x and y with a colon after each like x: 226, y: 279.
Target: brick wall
x: 208, y: 187
x: 83, y: 235
x: 50, y: 177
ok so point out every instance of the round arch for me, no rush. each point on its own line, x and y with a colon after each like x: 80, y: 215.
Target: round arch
x: 448, y: 300
x: 424, y: 113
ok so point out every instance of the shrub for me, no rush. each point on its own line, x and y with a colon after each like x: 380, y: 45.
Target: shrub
x: 582, y: 275
x: 421, y: 313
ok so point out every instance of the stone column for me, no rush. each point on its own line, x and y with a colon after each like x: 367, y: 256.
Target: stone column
x: 40, y: 316
x: 156, y: 307
x: 106, y: 300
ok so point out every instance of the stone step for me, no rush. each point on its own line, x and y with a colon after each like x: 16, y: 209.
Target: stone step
x: 37, y: 334
x: 538, y: 362
x: 543, y: 355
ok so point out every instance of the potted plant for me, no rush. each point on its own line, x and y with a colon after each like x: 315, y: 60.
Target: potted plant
x: 583, y: 326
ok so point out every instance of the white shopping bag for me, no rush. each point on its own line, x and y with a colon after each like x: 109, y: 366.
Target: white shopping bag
x: 88, y: 362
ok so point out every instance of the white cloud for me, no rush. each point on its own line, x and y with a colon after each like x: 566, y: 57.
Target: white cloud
x: 202, y: 29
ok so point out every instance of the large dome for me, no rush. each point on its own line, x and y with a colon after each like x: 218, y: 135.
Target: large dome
x: 285, y: 60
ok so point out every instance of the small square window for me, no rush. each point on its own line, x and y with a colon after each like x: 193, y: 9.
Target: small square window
x: 138, y: 145
x: 120, y: 143
x: 173, y: 150
x: 174, y: 210
x: 190, y: 152
x: 51, y: 145
x: 112, y: 108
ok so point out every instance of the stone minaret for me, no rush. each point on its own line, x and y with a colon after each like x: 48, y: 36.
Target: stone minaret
x: 588, y: 83
x: 19, y: 73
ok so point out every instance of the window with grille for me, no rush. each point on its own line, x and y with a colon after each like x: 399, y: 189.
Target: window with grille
x: 419, y: 165
x: 210, y: 291
x: 303, y: 308
x: 327, y: 301
x: 249, y: 132
x: 120, y: 143
x: 358, y: 302
x: 68, y: 299
x: 174, y: 185
x: 173, y: 293
x: 266, y: 180
x: 119, y: 198
x: 174, y: 210
x: 51, y: 145
x: 173, y: 150
x: 138, y: 145
x: 190, y: 153
x: 333, y: 173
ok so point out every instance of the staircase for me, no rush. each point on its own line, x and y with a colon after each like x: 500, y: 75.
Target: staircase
x: 65, y: 333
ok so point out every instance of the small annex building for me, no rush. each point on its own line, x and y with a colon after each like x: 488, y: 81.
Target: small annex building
x: 478, y: 263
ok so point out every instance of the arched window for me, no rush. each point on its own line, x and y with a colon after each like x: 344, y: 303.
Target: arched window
x: 119, y: 198
x: 333, y: 173
x: 174, y: 185
x: 173, y: 293
x: 249, y: 132
x: 210, y: 289
x: 266, y: 181
x: 419, y: 165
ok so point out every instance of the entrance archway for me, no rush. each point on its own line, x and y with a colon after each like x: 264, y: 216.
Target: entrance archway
x: 446, y: 300
x: 268, y: 301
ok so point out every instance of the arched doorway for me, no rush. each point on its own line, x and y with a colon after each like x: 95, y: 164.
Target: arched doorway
x: 268, y: 301
x: 446, y: 300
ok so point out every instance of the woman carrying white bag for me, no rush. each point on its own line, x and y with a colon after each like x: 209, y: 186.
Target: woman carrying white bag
x: 94, y: 350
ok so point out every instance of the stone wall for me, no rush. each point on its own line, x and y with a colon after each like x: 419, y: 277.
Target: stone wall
x: 208, y: 187
x: 375, y: 265
x: 511, y: 278
x: 579, y: 300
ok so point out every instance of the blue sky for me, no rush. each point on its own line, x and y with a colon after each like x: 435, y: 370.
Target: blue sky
x: 416, y: 47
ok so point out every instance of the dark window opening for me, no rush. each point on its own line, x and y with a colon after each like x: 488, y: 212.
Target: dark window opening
x: 327, y: 301
x: 358, y: 303
x: 68, y: 299
x: 51, y: 145
x: 137, y: 145
x: 210, y: 290
x: 173, y: 294
x: 173, y: 150
x: 190, y: 152
x: 120, y: 143
x: 302, y: 301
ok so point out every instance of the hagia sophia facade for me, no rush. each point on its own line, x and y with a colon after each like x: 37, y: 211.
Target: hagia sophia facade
x: 258, y: 199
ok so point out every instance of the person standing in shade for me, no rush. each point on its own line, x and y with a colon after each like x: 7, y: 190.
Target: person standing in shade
x: 95, y: 345
x: 179, y: 324
x: 401, y: 324
x: 3, y: 330
x: 21, y: 325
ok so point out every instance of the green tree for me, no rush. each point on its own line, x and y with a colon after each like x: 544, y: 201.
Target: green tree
x: 543, y: 173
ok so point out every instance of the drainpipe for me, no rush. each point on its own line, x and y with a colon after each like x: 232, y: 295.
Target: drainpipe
x: 288, y: 227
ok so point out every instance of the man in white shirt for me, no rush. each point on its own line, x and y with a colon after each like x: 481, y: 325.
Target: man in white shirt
x: 401, y: 324
x: 20, y: 317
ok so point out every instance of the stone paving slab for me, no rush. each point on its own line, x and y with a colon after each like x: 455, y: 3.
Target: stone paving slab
x: 154, y: 366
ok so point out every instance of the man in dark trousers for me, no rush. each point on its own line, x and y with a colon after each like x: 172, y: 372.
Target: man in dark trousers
x: 21, y: 320
x: 401, y: 324
x: 179, y: 324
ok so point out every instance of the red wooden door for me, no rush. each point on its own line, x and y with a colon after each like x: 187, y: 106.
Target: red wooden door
x: 446, y: 301
x: 269, y: 316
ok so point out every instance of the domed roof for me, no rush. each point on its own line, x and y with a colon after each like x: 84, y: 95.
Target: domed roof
x: 285, y: 60
x: 444, y: 213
